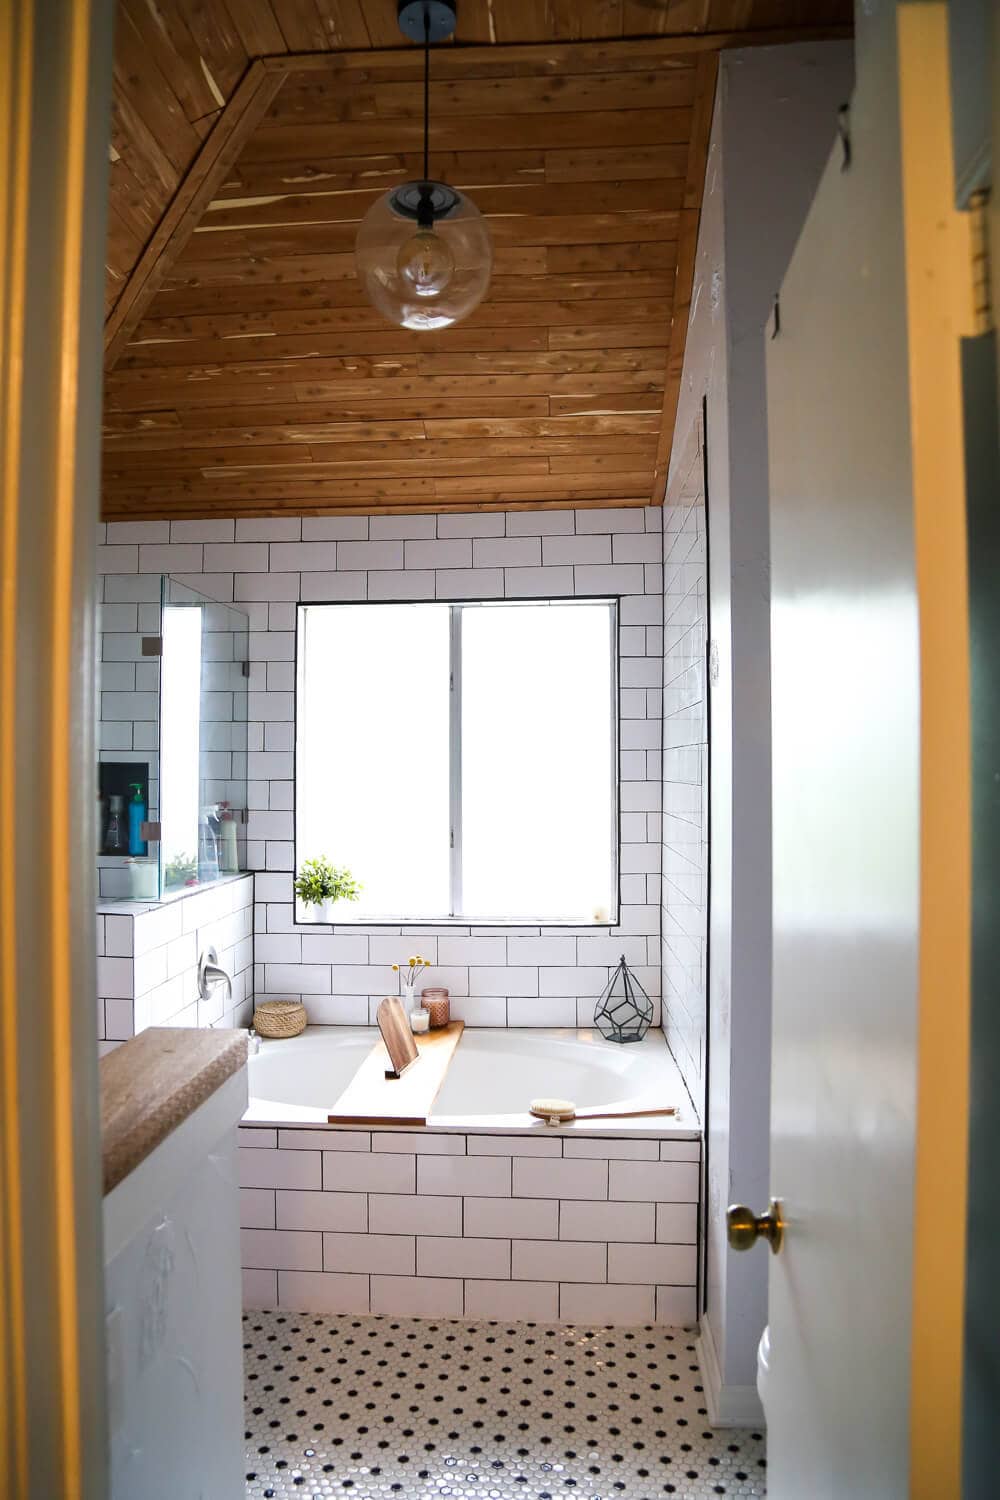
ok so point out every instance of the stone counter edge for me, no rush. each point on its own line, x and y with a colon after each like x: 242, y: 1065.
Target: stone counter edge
x: 151, y: 1084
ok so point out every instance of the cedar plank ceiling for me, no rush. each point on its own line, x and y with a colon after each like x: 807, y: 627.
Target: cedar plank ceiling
x: 247, y: 375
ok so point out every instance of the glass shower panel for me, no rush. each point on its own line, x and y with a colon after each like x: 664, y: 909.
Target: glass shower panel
x: 180, y: 714
x: 128, y: 736
x: 203, y: 739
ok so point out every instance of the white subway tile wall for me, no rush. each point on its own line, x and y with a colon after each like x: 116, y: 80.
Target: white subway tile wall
x: 684, y: 916
x: 147, y: 961
x: 519, y: 977
x: 450, y: 1224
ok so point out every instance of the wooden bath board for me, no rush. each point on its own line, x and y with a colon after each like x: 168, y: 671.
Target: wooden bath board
x: 372, y: 1098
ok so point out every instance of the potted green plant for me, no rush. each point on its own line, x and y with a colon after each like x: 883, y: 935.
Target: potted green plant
x: 321, y: 883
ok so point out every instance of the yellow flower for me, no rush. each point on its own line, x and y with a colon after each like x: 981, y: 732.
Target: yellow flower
x: 412, y: 962
x: 395, y: 968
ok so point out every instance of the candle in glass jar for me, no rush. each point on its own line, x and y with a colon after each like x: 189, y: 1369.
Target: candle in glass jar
x: 436, y: 1002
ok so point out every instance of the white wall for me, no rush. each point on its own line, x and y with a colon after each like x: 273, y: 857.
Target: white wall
x: 508, y: 976
x: 775, y: 121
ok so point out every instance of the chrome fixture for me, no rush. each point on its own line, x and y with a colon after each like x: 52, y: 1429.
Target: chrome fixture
x: 210, y: 973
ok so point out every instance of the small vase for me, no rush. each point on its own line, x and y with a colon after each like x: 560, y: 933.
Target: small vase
x: 409, y: 1003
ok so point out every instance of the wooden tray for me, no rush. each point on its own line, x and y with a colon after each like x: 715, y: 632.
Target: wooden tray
x: 372, y: 1098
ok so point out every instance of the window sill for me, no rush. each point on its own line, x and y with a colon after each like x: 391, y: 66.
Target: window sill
x: 423, y: 924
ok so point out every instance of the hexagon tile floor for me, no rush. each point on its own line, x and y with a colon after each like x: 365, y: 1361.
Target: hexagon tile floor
x: 364, y: 1408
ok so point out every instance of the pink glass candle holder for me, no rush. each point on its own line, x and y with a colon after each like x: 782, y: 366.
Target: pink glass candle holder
x: 436, y: 1002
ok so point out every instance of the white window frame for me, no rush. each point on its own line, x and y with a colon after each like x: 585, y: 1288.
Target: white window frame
x: 457, y: 607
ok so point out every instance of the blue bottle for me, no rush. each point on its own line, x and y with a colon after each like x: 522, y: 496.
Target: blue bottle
x: 136, y: 818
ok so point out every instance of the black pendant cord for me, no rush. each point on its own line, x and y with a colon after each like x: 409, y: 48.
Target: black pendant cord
x: 427, y: 82
x: 425, y: 210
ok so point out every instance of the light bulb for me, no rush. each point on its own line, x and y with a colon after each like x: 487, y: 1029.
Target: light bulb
x: 425, y: 263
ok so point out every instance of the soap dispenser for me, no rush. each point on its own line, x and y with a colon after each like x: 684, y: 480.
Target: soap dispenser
x: 136, y: 817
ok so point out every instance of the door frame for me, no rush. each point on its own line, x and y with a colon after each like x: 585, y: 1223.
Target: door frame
x: 939, y: 295
x: 55, y: 91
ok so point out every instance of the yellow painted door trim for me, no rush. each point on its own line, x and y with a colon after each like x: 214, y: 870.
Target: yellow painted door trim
x: 55, y: 65
x: 939, y: 313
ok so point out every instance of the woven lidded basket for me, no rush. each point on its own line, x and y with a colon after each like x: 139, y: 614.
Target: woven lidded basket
x: 279, y: 1018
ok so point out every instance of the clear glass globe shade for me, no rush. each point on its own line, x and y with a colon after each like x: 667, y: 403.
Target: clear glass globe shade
x: 426, y: 263
x: 403, y: 276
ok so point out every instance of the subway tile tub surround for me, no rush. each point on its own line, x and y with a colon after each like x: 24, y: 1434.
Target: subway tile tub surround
x: 684, y: 917
x: 561, y: 1227
x: 147, y: 961
x: 524, y: 976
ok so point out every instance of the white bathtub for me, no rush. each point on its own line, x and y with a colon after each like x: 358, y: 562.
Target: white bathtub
x: 492, y: 1079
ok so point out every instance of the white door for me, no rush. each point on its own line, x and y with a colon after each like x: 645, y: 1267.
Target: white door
x: 856, y: 709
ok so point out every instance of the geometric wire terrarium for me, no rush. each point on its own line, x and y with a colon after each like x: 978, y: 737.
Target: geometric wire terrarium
x: 624, y: 1011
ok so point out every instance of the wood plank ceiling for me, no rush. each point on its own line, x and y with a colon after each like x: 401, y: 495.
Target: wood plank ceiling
x: 247, y: 375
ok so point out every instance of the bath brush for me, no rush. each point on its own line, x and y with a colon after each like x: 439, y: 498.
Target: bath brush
x: 564, y: 1111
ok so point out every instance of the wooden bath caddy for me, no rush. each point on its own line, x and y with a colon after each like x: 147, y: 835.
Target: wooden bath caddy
x: 376, y: 1097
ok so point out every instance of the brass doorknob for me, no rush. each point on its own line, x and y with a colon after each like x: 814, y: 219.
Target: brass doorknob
x: 744, y: 1228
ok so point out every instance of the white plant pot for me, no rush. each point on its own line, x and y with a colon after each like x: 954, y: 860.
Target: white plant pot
x: 328, y: 911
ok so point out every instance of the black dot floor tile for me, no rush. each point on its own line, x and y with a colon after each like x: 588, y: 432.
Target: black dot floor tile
x: 367, y: 1408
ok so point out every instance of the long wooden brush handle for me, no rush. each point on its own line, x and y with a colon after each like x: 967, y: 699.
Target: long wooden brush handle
x: 623, y: 1114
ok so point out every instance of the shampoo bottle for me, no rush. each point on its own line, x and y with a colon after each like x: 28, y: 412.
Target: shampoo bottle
x: 136, y: 818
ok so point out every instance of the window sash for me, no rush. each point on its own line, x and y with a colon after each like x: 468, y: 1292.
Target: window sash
x: 456, y: 915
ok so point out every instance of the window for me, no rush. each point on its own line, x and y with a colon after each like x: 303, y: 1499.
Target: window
x: 461, y: 759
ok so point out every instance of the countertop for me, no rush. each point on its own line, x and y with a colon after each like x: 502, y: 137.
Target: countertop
x: 150, y: 1084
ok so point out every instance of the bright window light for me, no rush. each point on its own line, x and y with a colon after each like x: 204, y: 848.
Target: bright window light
x: 537, y: 761
x: 180, y: 714
x: 372, y: 755
x: 461, y: 759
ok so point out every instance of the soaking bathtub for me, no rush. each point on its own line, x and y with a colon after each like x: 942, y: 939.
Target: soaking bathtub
x: 485, y: 1212
x: 493, y: 1077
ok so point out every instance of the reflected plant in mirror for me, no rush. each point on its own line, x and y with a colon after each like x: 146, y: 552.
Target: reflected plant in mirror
x: 322, y: 884
x: 182, y: 869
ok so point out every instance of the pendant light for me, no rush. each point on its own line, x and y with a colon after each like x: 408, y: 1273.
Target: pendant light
x: 424, y: 251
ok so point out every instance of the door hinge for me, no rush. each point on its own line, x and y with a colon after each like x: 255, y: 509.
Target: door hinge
x: 451, y: 838
x: 150, y: 832
x: 979, y: 224
x: 245, y: 668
